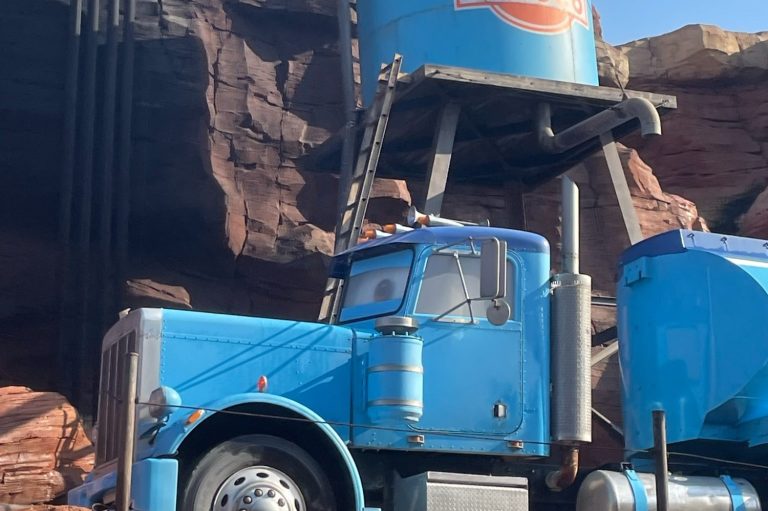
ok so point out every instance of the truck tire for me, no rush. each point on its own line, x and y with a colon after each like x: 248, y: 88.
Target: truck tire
x: 257, y: 472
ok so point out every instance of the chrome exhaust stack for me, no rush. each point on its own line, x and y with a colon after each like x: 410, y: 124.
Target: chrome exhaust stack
x: 571, y: 347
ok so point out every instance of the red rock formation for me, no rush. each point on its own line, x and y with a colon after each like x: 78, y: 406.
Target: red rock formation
x: 715, y: 148
x: 755, y: 222
x: 43, y: 448
x: 270, y: 99
x: 52, y: 508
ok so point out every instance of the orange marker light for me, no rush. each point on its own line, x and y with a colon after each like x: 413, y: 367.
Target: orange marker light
x: 262, y: 384
x: 194, y: 417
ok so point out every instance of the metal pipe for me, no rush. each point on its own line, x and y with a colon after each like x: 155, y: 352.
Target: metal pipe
x: 87, y: 133
x: 124, y: 144
x: 104, y: 172
x: 69, y: 145
x: 571, y: 351
x: 350, y: 102
x: 570, y: 226
x: 565, y: 476
x: 632, y: 108
x: 86, y: 148
x: 660, y: 455
x: 128, y: 434
x: 70, y: 120
x: 106, y: 160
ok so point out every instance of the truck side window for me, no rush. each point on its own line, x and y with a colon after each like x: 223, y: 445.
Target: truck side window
x: 376, y: 286
x: 442, y: 290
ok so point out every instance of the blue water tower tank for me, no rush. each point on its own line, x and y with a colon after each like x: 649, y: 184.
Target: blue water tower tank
x: 551, y: 39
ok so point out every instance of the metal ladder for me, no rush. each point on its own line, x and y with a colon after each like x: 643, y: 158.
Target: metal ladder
x: 361, y: 184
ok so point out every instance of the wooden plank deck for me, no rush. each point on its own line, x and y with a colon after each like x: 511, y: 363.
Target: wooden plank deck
x: 496, y: 136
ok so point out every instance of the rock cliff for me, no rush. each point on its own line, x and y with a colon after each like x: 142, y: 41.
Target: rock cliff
x: 715, y: 148
x: 230, y: 95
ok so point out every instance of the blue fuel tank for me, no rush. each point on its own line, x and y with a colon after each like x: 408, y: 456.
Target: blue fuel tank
x: 551, y: 39
x: 693, y: 334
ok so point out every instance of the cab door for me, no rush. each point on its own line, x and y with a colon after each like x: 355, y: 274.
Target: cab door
x: 473, y: 370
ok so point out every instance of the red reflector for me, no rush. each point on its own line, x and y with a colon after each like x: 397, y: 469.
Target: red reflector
x: 263, y: 383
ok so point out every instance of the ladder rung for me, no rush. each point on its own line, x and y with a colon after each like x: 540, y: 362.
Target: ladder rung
x: 363, y: 174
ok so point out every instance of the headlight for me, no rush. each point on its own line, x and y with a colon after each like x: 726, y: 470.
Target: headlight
x: 163, y: 401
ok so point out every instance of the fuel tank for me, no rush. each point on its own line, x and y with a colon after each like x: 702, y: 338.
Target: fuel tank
x: 611, y: 491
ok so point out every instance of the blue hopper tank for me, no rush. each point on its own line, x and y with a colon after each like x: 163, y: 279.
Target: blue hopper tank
x: 693, y: 333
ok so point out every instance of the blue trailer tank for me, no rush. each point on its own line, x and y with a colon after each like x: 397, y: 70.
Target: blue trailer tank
x: 551, y: 39
x: 693, y: 333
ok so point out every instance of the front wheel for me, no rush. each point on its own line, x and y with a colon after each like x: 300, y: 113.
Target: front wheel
x: 257, y: 473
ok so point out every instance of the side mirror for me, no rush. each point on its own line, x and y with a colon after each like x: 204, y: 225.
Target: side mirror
x: 493, y: 269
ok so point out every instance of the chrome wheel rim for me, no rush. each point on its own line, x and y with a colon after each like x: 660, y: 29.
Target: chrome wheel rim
x: 258, y: 488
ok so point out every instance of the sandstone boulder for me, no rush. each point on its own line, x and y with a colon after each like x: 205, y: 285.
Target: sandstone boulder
x: 147, y: 293
x: 43, y: 447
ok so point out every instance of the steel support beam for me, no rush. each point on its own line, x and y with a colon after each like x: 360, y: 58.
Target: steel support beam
x: 437, y: 178
x: 619, y: 179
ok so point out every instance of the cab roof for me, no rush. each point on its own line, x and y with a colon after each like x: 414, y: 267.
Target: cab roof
x: 519, y: 241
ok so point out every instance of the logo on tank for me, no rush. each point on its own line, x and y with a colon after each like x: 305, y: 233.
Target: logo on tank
x: 538, y: 16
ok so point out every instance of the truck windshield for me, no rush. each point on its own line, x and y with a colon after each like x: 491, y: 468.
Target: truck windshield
x: 442, y: 290
x: 376, y: 286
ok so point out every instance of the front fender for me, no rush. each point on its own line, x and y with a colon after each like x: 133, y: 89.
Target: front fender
x: 170, y: 438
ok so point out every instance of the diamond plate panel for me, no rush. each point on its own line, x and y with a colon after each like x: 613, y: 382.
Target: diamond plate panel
x: 452, y: 497
x: 442, y: 491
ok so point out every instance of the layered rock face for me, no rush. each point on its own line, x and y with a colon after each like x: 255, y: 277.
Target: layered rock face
x: 43, y: 448
x: 251, y: 227
x: 715, y: 148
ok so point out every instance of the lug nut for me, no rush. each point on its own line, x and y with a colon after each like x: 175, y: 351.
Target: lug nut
x: 259, y: 493
x: 271, y: 494
x: 281, y: 502
x: 247, y: 500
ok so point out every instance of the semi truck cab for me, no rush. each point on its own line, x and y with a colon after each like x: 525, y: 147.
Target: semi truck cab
x: 441, y: 350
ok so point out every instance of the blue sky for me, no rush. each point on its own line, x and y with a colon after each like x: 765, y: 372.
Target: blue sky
x: 627, y: 20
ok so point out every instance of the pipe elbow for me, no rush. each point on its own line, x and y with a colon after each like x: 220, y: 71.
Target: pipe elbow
x: 644, y: 111
x: 597, y: 125
x: 565, y: 476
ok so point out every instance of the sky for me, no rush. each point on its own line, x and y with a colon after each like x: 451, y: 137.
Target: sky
x: 627, y: 20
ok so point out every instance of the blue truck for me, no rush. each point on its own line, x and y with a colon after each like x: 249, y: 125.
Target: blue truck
x: 454, y: 364
x: 422, y: 376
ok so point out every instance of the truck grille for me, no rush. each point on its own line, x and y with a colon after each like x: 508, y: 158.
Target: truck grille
x: 111, y: 390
